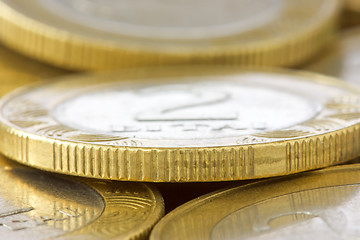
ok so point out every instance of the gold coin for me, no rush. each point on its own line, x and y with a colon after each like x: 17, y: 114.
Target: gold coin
x: 38, y: 205
x: 316, y: 205
x: 182, y: 124
x: 97, y: 35
x: 342, y: 60
x: 17, y: 70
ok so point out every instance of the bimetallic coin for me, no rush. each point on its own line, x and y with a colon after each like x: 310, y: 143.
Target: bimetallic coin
x: 96, y: 35
x: 316, y: 205
x: 17, y: 70
x: 182, y: 124
x: 38, y: 205
x: 342, y: 60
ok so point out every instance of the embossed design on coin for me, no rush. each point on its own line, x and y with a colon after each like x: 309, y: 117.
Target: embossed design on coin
x: 136, y: 130
x: 37, y: 205
x: 316, y: 205
x: 327, y: 210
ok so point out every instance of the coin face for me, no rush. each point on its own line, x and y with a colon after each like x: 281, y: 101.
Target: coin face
x: 38, y: 205
x: 166, y: 19
x: 322, y: 204
x: 245, y: 124
x: 114, y: 34
x: 342, y: 60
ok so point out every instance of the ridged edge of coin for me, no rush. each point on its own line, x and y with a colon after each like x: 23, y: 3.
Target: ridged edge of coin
x: 180, y: 165
x: 196, y: 164
x: 75, y: 52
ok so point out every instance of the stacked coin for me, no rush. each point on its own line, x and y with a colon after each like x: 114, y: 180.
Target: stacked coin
x: 193, y: 105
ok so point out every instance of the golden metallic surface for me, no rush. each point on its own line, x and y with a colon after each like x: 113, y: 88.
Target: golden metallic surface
x: 68, y: 34
x: 17, y: 70
x: 38, y: 205
x: 219, y: 124
x: 321, y: 204
x: 342, y: 60
x: 353, y: 5
x: 350, y: 19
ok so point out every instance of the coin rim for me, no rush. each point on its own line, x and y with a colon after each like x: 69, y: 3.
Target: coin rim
x: 155, y: 164
x: 44, y: 42
x: 142, y: 230
x: 202, y: 200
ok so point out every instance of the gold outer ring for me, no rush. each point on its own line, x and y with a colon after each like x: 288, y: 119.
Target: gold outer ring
x: 197, y: 218
x: 130, y: 209
x: 189, y: 164
x: 76, y: 52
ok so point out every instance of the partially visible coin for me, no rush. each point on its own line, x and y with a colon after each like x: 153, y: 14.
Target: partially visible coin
x: 316, y: 205
x: 183, y: 124
x: 342, y: 60
x: 38, y: 205
x: 96, y: 35
x: 17, y: 70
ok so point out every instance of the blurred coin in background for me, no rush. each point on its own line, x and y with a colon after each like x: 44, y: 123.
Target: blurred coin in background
x: 38, y: 205
x: 98, y: 35
x: 17, y: 70
x: 183, y: 124
x: 342, y: 59
x: 315, y: 205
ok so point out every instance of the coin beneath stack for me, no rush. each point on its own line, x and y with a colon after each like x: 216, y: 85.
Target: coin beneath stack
x: 97, y: 35
x: 322, y: 204
x: 343, y: 58
x: 182, y: 124
x: 38, y: 205
x: 17, y: 70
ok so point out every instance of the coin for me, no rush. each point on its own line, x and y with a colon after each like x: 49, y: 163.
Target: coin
x: 97, y: 35
x: 38, y: 205
x: 322, y: 204
x: 17, y: 70
x: 342, y: 60
x: 182, y: 124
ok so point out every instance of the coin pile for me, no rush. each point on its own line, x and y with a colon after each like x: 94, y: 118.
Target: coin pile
x: 236, y: 119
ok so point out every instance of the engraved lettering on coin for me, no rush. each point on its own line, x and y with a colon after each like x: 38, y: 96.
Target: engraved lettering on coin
x: 191, y: 111
x: 28, y: 207
x: 168, y: 19
x: 330, y: 213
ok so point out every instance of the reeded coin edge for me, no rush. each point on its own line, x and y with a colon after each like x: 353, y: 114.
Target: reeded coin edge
x: 186, y: 207
x: 201, y: 164
x: 76, y: 52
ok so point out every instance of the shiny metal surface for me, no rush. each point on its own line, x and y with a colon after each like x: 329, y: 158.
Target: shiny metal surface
x: 176, y: 20
x: 321, y: 205
x: 121, y: 34
x: 183, y: 124
x: 36, y: 205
